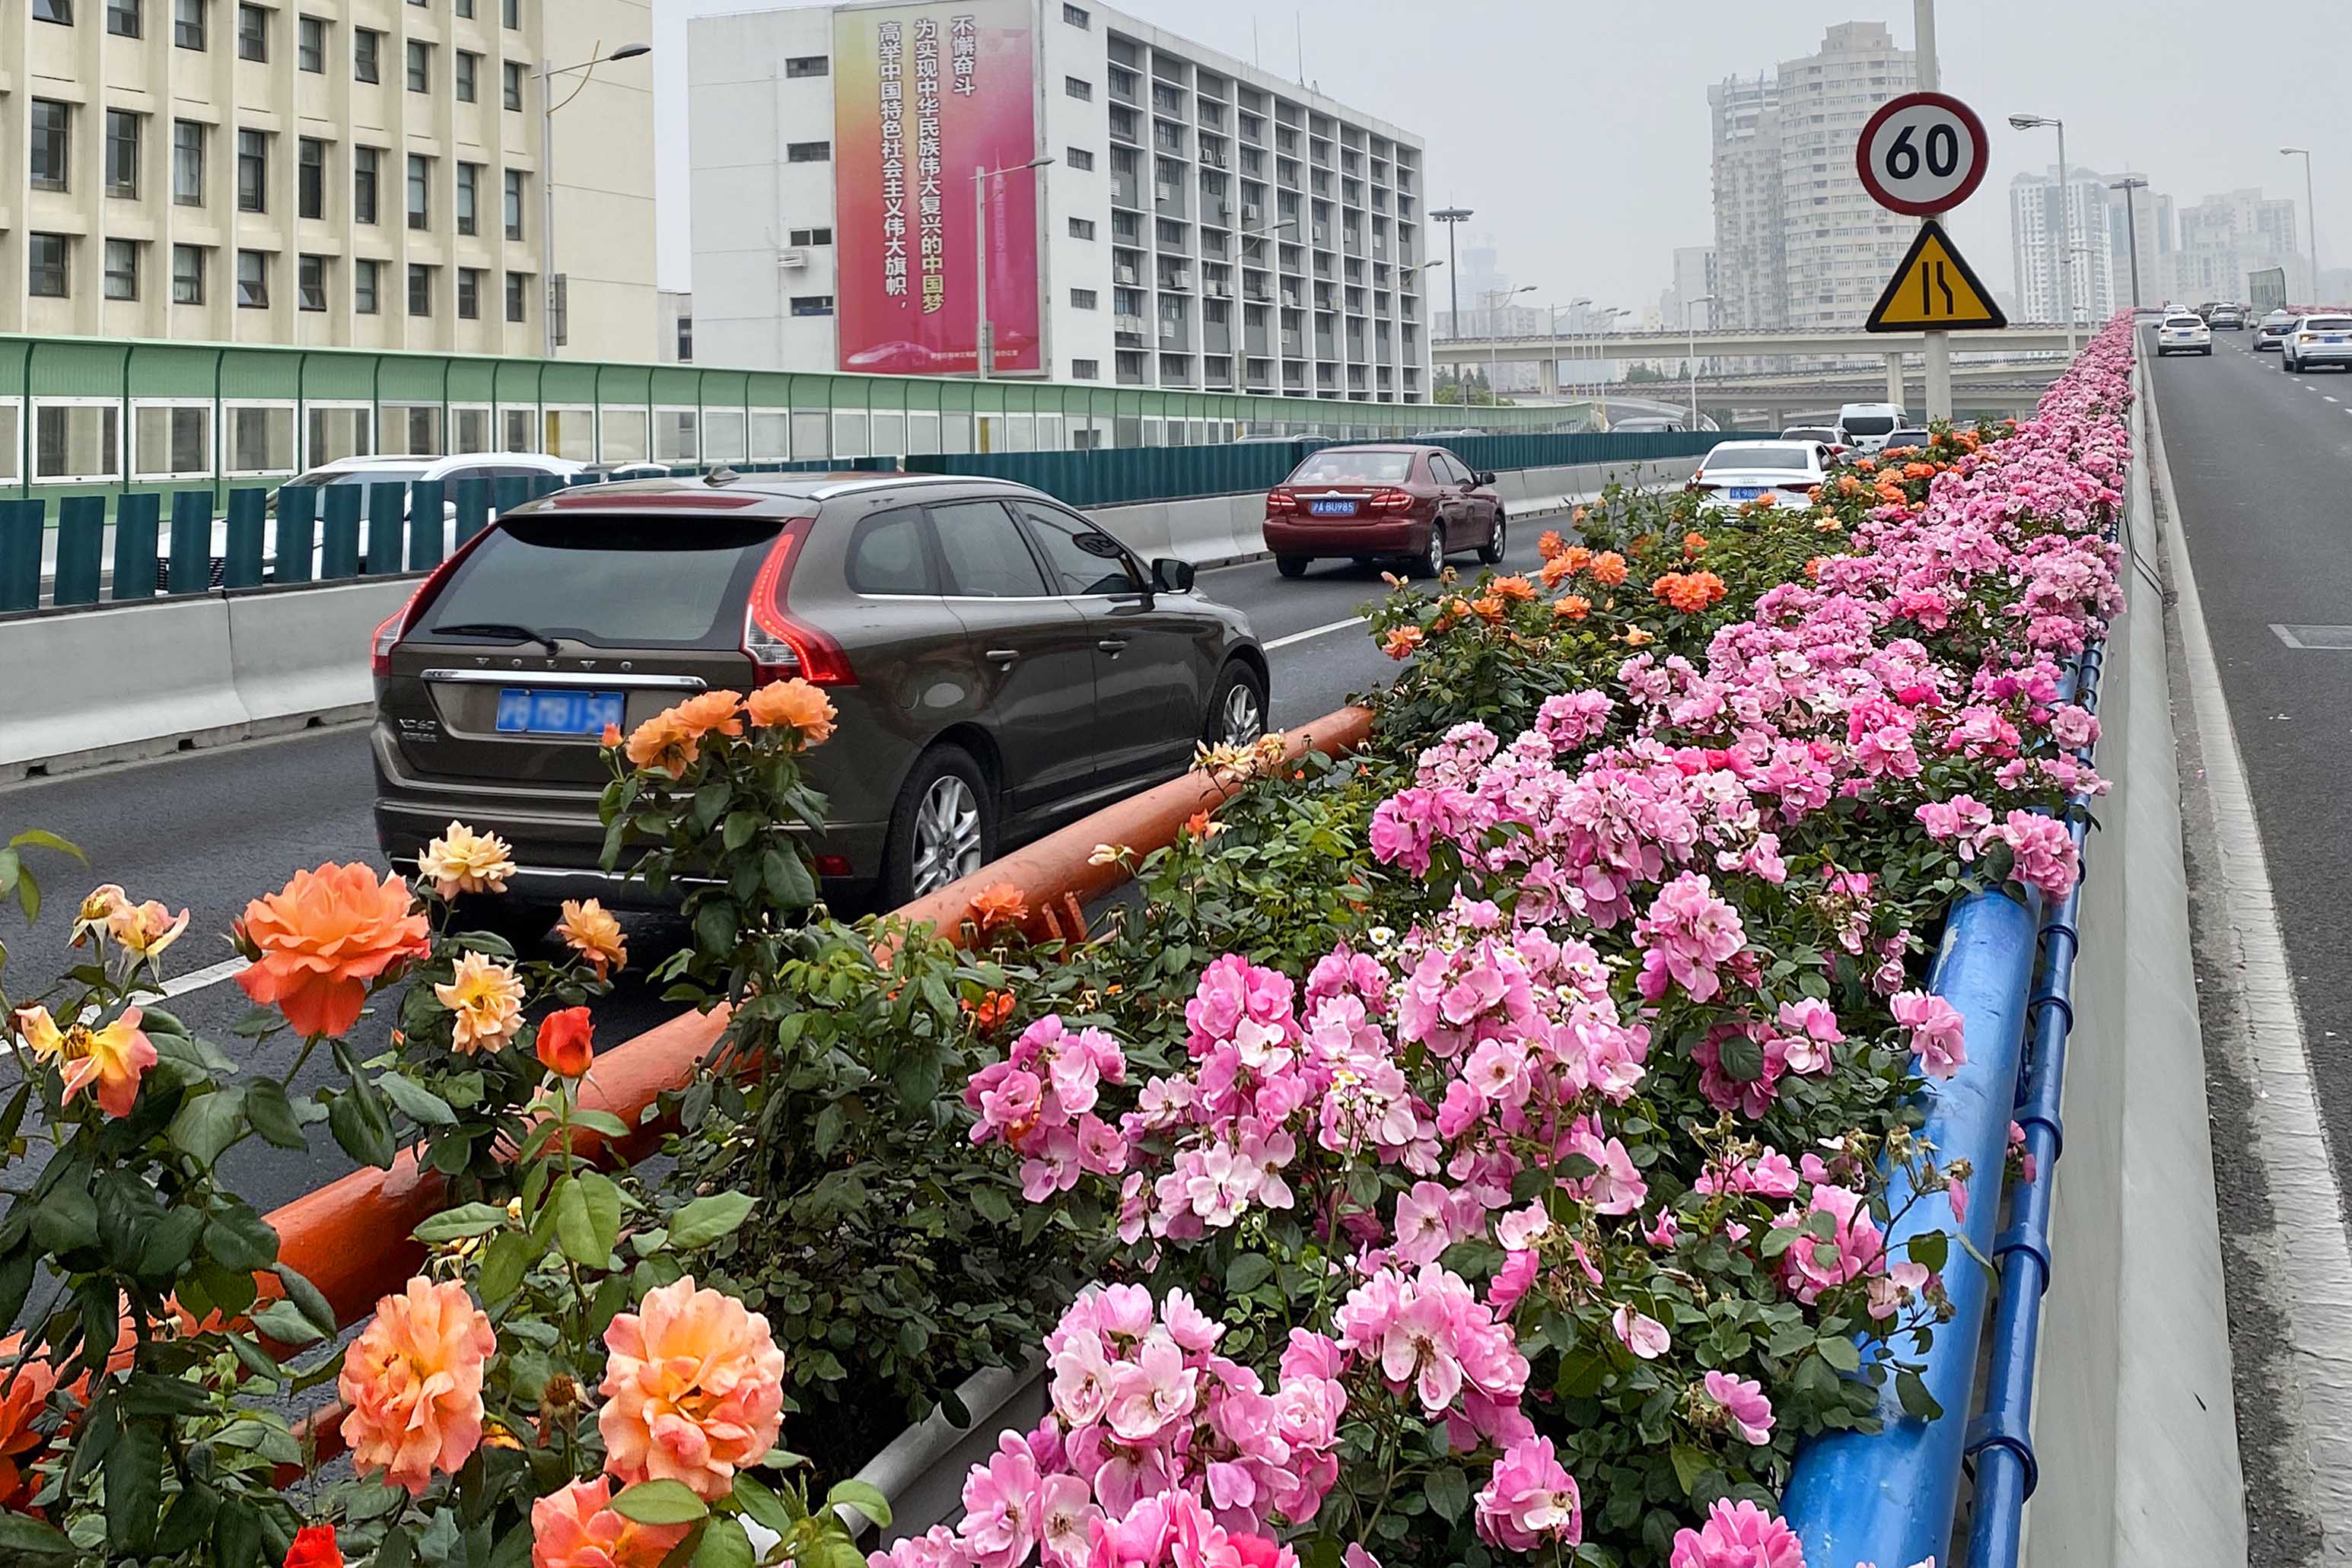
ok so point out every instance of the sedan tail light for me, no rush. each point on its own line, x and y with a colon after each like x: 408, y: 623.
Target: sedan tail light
x: 781, y: 646
x: 1281, y: 504
x: 1389, y: 501
x: 394, y: 626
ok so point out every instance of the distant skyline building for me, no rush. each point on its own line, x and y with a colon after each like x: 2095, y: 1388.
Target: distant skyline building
x: 1798, y: 241
x: 1694, y: 279
x: 2227, y: 237
x: 2034, y: 238
x: 2151, y: 211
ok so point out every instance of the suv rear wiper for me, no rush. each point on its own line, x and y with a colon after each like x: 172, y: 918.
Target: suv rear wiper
x: 502, y: 629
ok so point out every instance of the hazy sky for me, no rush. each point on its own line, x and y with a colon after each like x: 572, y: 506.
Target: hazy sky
x: 1578, y: 129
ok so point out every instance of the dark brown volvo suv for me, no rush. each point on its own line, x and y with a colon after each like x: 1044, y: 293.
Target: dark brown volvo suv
x: 1000, y: 664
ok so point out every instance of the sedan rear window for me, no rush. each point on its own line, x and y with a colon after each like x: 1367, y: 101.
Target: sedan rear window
x: 622, y: 581
x: 1355, y: 468
x: 2330, y: 323
x: 2182, y: 321
x: 1794, y: 459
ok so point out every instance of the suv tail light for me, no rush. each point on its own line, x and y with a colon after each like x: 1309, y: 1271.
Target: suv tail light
x: 1389, y: 501
x: 780, y: 646
x: 1281, y: 504
x: 394, y: 626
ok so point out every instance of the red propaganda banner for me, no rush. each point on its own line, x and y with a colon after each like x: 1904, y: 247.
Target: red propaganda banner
x: 925, y: 95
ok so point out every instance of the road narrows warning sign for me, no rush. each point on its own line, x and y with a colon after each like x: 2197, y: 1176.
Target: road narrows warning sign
x: 1933, y: 289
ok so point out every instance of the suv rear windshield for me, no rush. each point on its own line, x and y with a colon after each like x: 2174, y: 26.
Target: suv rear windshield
x: 1737, y: 459
x: 1869, y: 424
x: 2182, y: 321
x: 2329, y: 323
x: 649, y: 583
x: 1355, y: 468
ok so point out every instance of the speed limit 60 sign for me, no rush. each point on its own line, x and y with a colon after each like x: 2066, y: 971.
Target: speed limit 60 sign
x: 1922, y: 153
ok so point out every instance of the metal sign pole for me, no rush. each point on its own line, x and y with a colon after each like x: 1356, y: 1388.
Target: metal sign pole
x: 1940, y: 344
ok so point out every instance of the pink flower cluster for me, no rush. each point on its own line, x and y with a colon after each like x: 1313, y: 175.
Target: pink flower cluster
x: 1040, y: 1101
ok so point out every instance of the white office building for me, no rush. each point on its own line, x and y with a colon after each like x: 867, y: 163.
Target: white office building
x: 2038, y: 242
x: 1694, y: 285
x: 1202, y: 224
x: 361, y: 174
x: 2143, y: 231
x: 2225, y: 237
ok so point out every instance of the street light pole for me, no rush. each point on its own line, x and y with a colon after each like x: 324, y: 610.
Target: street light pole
x: 1691, y: 332
x: 2130, y: 184
x: 2065, y: 235
x: 2310, y: 214
x: 547, y: 73
x: 1450, y: 217
x: 984, y: 344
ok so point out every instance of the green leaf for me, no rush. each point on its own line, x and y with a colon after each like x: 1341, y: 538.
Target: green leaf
x: 416, y: 1101
x: 597, y: 1120
x: 361, y: 1127
x: 1930, y: 1250
x: 509, y: 1258
x: 587, y: 1218
x: 65, y: 1220
x: 991, y: 1204
x: 741, y: 826
x: 272, y: 1114
x: 714, y: 928
x: 1742, y: 1059
x: 1448, y: 1491
x: 762, y: 1505
x: 659, y: 1502
x: 707, y: 1219
x: 16, y: 1282
x: 397, y: 1551
x: 1839, y: 1352
x: 1918, y: 1402
x: 236, y: 1237
x: 22, y: 1533
x: 1691, y: 1464
x: 724, y: 1545
x: 207, y: 1125
x: 1247, y: 1272
x: 462, y: 1223
x: 863, y: 1496
x: 288, y: 1324
x: 41, y: 838
x: 134, y: 1487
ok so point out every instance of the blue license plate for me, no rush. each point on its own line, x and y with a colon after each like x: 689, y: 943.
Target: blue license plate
x: 2332, y: 338
x: 1332, y: 508
x: 523, y: 710
x: 1745, y: 492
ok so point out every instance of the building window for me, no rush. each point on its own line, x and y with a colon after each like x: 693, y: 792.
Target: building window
x: 811, y: 236
x: 1083, y: 91
x: 252, y: 33
x: 365, y: 162
x: 463, y: 8
x: 188, y: 275
x: 252, y: 280
x: 367, y: 54
x: 470, y: 69
x: 420, y: 66
x: 310, y: 282
x: 311, y: 44
x: 510, y: 84
x: 188, y: 23
x: 45, y: 265
x: 1084, y: 300
x: 469, y: 294
x: 187, y: 163
x: 252, y: 171
x: 122, y: 269
x: 1086, y: 370
x: 78, y: 439
x: 685, y: 344
x: 469, y: 183
x: 53, y: 11
x: 52, y: 138
x: 1079, y: 158
x: 310, y: 179
x: 808, y: 151
x: 811, y: 304
x: 367, y: 287
x: 122, y: 18
x: 808, y: 66
x: 514, y: 204
x: 420, y: 191
x: 510, y: 14
x: 1076, y: 15
x: 1082, y: 228
x: 122, y: 154
x: 420, y: 291
x: 518, y: 295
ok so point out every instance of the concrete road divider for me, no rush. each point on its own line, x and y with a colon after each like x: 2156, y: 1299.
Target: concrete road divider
x: 298, y: 655
x: 113, y: 683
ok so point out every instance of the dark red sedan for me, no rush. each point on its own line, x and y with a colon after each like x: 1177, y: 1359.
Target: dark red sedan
x: 1416, y: 504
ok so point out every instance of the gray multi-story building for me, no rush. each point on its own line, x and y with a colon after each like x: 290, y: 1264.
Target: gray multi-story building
x: 1203, y: 223
x: 1798, y: 241
x: 2038, y: 240
x: 2226, y: 236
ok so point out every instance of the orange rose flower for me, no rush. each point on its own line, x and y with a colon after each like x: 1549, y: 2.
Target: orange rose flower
x: 576, y: 1528
x: 486, y: 997
x: 1576, y: 516
x: 95, y: 916
x: 589, y: 929
x: 1400, y: 642
x: 1918, y: 470
x: 463, y: 861
x: 1692, y: 542
x: 1578, y: 557
x: 1849, y: 486
x: 567, y: 1043
x: 1200, y: 825
x: 1637, y: 637
x: 999, y: 904
x: 1515, y: 588
x: 21, y: 1403
x: 1571, y: 607
x: 1688, y: 593
x: 664, y: 742
x: 1549, y: 545
x: 1553, y: 573
x: 611, y: 737
x: 793, y: 704
x: 993, y: 1009
x: 712, y: 712
x: 1609, y: 568
x: 413, y: 1381
x: 1488, y: 608
x: 314, y: 1547
x: 1866, y: 465
x: 320, y: 941
x: 694, y: 1389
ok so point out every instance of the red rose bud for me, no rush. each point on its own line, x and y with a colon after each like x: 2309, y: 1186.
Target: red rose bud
x: 567, y: 1043
x: 314, y: 1547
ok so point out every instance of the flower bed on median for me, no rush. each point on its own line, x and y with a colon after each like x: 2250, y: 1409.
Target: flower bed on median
x: 1473, y: 1149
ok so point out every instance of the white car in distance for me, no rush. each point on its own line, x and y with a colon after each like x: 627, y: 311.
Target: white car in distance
x: 2318, y: 340
x: 1738, y: 471
x: 2183, y: 333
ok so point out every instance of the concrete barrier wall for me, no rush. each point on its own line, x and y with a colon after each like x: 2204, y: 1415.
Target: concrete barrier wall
x: 299, y: 655
x: 112, y: 684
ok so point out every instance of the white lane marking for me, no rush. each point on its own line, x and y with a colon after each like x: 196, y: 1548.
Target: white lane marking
x: 197, y: 979
x: 1316, y: 631
x: 2329, y: 399
x: 2303, y: 1256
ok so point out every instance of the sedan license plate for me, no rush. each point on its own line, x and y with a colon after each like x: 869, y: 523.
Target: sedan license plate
x: 1745, y: 492
x: 1331, y: 508
x: 523, y: 710
x: 2332, y: 338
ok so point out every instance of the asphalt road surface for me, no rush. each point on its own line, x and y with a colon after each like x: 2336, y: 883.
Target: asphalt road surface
x: 2262, y: 462
x: 211, y: 830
